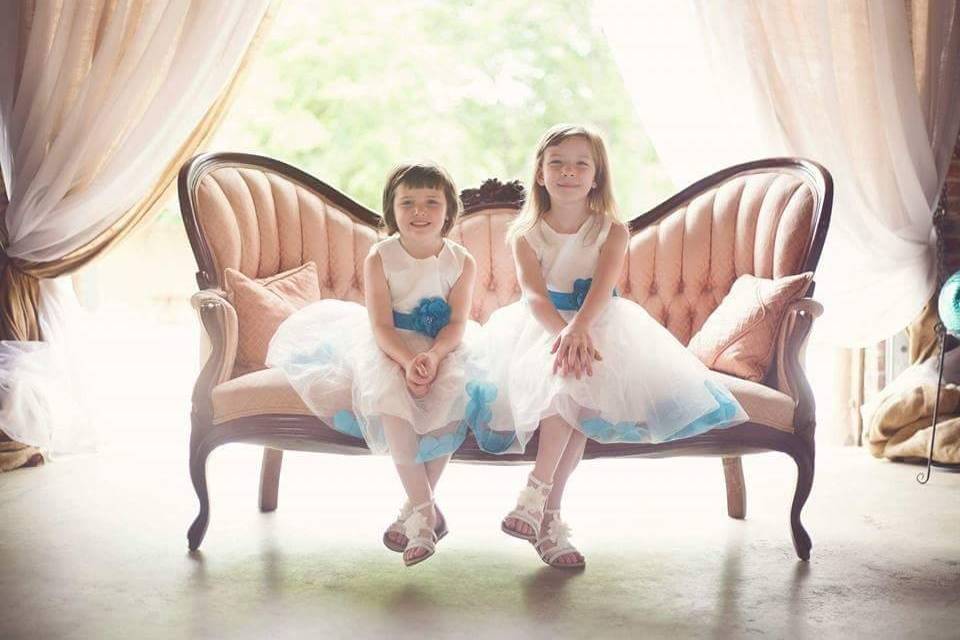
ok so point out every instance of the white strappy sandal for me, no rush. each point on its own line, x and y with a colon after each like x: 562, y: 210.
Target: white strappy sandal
x: 529, y: 509
x: 397, y: 527
x: 558, y: 535
x: 414, y: 527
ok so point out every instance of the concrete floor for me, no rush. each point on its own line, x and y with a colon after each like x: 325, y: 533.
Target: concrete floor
x: 94, y: 547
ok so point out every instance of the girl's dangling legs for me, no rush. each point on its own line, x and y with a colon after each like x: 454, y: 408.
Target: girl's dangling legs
x: 434, y: 469
x: 413, y: 475
x: 554, y: 435
x: 571, y: 457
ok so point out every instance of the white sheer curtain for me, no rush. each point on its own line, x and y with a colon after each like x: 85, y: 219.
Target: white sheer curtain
x: 867, y: 88
x: 83, y: 146
x: 94, y: 104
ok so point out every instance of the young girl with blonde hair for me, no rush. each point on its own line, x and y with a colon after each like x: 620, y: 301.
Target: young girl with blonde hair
x: 571, y: 359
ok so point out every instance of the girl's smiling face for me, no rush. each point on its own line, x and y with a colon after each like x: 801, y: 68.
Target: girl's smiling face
x: 568, y: 171
x: 420, y: 211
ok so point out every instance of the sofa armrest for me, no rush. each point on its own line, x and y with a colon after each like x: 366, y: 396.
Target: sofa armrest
x: 219, y: 320
x: 791, y: 378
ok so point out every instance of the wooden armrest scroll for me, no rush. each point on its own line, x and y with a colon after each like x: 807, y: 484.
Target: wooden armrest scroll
x: 219, y: 319
x: 791, y: 376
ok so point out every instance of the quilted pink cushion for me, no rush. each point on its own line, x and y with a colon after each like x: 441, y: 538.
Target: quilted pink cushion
x: 739, y: 336
x: 263, y: 304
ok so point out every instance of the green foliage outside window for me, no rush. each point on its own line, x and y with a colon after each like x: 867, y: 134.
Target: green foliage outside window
x: 345, y: 90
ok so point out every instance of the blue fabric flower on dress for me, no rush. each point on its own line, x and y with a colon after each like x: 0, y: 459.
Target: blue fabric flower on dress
x: 432, y: 447
x: 668, y: 412
x: 321, y: 354
x: 719, y: 418
x: 574, y: 300
x: 604, y: 431
x: 431, y: 315
x: 479, y: 415
x: 345, y: 422
x: 581, y: 286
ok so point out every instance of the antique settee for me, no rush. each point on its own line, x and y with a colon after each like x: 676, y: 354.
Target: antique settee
x: 260, y: 216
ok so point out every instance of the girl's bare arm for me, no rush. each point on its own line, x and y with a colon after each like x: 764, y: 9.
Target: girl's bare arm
x: 460, y: 300
x: 535, y: 288
x: 609, y: 267
x: 377, y: 298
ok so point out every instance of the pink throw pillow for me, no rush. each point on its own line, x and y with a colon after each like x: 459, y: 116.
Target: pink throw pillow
x: 740, y: 336
x: 263, y: 304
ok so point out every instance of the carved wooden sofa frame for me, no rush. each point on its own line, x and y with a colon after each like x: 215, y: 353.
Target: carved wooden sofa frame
x: 768, y: 218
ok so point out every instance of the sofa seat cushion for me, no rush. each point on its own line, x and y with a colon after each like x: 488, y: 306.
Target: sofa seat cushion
x: 764, y: 405
x: 254, y: 394
x: 267, y: 392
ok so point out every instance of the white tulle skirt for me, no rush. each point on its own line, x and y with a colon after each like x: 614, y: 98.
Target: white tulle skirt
x: 328, y: 352
x: 648, y: 388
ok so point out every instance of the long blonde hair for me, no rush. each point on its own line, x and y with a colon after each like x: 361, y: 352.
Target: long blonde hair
x: 600, y: 200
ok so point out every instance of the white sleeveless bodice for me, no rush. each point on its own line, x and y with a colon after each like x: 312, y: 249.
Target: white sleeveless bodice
x: 566, y: 257
x: 411, y: 279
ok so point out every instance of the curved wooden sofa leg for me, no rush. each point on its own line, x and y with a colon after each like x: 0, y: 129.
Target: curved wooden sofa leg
x: 736, y: 488
x: 198, y: 474
x: 270, y: 478
x: 804, y: 457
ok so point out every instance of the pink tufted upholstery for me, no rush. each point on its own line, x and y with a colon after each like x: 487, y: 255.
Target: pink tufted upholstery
x: 261, y: 223
x: 679, y: 268
x: 484, y: 235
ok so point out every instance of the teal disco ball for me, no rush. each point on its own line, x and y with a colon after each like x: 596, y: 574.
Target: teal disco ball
x: 948, y: 304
